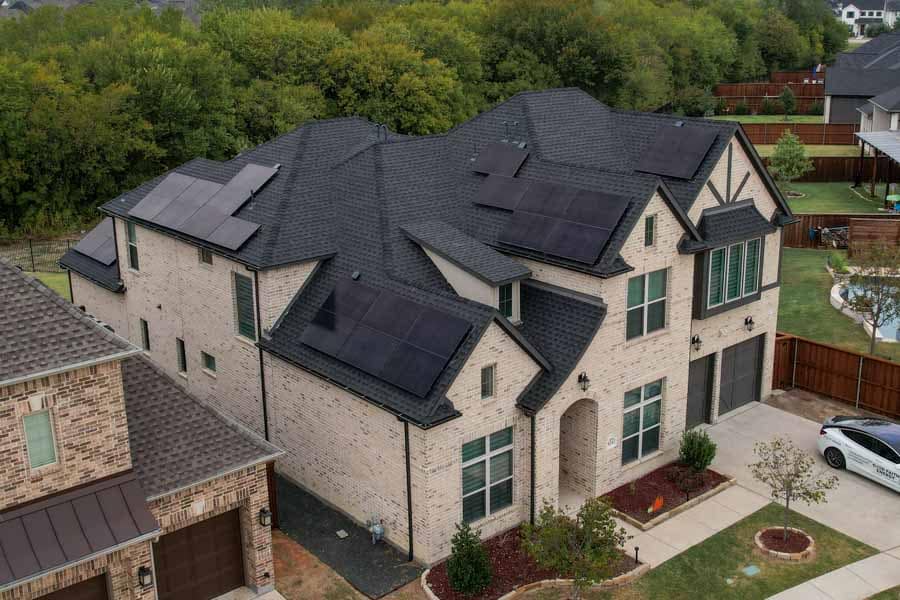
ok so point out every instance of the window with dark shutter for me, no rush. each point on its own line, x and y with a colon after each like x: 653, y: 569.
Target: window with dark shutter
x: 243, y: 295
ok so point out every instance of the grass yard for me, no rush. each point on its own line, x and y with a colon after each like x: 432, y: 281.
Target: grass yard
x: 834, y: 198
x: 770, y: 118
x: 805, y: 310
x: 766, y: 150
x: 891, y: 594
x: 58, y: 282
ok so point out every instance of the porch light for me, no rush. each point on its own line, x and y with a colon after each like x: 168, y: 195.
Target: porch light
x: 145, y: 577
x: 584, y: 382
x: 749, y: 324
x: 265, y: 517
x: 696, y: 342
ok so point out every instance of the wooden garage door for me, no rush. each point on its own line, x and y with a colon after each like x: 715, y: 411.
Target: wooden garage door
x: 90, y: 589
x: 741, y: 370
x: 201, y: 561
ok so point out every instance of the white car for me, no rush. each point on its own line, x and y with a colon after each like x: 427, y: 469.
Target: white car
x: 869, y: 446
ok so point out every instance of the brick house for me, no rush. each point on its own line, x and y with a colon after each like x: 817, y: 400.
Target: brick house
x: 531, y: 307
x: 116, y: 483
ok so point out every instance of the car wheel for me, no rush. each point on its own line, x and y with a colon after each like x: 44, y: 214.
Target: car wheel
x: 835, y: 458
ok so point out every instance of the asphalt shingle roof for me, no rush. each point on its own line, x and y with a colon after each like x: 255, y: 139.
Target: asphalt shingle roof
x: 871, y: 69
x: 889, y: 100
x: 175, y: 440
x: 40, y: 332
x: 106, y: 276
x: 732, y: 223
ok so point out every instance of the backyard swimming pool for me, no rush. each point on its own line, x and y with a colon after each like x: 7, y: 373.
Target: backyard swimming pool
x: 889, y: 332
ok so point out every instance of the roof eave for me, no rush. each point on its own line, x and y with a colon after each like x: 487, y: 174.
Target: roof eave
x: 71, y: 367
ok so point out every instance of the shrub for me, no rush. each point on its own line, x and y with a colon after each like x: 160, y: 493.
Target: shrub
x: 769, y: 107
x: 838, y: 263
x: 741, y: 108
x: 697, y: 450
x: 721, y: 106
x: 468, y: 567
x: 816, y: 108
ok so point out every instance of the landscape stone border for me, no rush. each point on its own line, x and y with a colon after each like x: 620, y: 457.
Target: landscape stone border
x: 615, y: 582
x: 678, y: 509
x: 791, y: 556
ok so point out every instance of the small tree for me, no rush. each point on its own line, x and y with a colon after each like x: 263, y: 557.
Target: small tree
x: 788, y: 101
x: 585, y: 548
x: 468, y: 568
x: 788, y: 471
x: 876, y: 293
x: 789, y: 161
x: 697, y: 450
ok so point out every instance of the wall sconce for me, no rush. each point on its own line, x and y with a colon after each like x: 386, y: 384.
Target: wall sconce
x: 749, y: 324
x: 696, y: 342
x: 265, y: 517
x: 584, y: 381
x: 145, y: 577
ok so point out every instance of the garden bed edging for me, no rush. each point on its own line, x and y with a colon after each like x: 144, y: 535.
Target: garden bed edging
x: 675, y: 511
x: 809, y: 552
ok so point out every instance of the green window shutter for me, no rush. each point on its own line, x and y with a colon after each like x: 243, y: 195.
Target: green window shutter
x: 243, y: 292
x: 735, y: 272
x: 751, y: 272
x: 39, y: 439
x: 716, y: 277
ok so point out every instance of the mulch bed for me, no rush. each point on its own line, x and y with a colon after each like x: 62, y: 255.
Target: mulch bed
x: 674, y: 483
x: 512, y: 566
x: 773, y: 539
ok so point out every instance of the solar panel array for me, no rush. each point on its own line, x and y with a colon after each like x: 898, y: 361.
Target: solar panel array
x: 499, y: 158
x: 394, y: 339
x: 100, y: 243
x: 677, y: 151
x: 554, y: 219
x: 203, y: 209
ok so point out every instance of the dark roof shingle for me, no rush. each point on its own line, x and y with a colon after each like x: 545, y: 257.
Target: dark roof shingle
x: 732, y: 223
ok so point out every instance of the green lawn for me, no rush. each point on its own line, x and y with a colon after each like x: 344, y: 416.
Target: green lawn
x: 765, y: 150
x: 770, y: 118
x: 891, y: 594
x: 834, y: 198
x: 58, y: 282
x: 702, y: 571
x: 805, y: 310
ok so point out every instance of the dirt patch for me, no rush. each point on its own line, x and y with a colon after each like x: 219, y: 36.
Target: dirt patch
x: 773, y: 539
x: 661, y: 490
x: 299, y: 575
x: 813, y: 406
x: 512, y: 566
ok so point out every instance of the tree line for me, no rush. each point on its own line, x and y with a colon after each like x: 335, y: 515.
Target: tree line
x: 97, y: 98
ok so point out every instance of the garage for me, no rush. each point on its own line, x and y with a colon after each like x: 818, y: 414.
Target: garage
x: 741, y: 374
x: 201, y: 561
x: 90, y: 589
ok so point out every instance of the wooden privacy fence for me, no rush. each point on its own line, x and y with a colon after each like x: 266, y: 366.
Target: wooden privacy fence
x: 796, y: 235
x: 827, y: 169
x: 801, y: 90
x: 754, y: 103
x: 861, y: 380
x: 782, y: 77
x: 809, y: 133
x: 865, y: 231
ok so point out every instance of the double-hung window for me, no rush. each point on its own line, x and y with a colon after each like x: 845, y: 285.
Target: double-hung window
x: 487, y: 475
x: 733, y: 272
x: 640, y: 425
x: 646, y: 304
x: 39, y: 441
x: 131, y: 238
x: 488, y: 374
x: 506, y: 300
x: 650, y: 230
x: 243, y: 300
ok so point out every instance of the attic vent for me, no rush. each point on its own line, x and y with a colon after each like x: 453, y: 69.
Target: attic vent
x: 679, y: 123
x: 355, y: 275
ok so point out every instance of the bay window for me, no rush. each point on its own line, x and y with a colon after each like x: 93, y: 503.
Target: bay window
x: 733, y: 272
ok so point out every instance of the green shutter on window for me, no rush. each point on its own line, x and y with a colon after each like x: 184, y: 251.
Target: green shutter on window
x: 716, y: 276
x: 243, y: 292
x: 39, y: 439
x: 735, y: 272
x: 751, y: 273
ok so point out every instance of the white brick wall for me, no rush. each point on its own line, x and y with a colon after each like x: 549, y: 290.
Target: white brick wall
x: 278, y: 286
x: 103, y: 304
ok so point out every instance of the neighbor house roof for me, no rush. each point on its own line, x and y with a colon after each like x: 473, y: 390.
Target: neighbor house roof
x: 175, y: 440
x: 40, y: 333
x: 868, y: 70
x: 866, y: 4
x: 889, y: 100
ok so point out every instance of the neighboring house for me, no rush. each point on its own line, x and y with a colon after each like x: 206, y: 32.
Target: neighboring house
x: 116, y: 484
x: 881, y: 113
x: 531, y: 307
x: 861, y: 74
x: 859, y: 14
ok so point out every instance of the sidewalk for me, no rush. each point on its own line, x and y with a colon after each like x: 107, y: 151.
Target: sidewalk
x: 855, y: 581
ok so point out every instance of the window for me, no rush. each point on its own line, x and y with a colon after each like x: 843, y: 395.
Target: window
x: 39, y: 439
x: 646, y: 304
x: 506, y: 300
x: 205, y: 256
x: 145, y: 335
x: 650, y: 230
x: 182, y: 357
x: 132, y: 246
x: 851, y: 14
x: 487, y: 475
x: 733, y: 272
x: 243, y: 300
x: 209, y: 362
x: 640, y: 426
x: 487, y: 381
x: 873, y: 445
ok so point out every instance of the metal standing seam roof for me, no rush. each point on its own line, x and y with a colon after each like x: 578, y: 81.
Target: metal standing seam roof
x: 90, y: 521
x: 885, y: 141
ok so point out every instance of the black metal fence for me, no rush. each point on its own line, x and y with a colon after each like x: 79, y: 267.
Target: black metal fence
x: 35, y: 255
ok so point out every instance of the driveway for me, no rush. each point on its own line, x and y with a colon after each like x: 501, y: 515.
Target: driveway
x: 858, y: 507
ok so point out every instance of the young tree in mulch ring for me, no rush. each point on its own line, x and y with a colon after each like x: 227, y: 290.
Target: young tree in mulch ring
x: 789, y: 161
x: 876, y: 294
x: 788, y: 471
x: 468, y: 568
x: 585, y: 548
x: 788, y: 102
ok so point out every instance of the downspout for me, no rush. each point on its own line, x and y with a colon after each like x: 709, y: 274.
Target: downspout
x: 409, y: 502
x: 262, y: 371
x: 533, y: 462
x: 71, y: 295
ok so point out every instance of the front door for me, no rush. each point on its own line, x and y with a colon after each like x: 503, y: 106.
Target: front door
x: 741, y: 374
x: 700, y: 380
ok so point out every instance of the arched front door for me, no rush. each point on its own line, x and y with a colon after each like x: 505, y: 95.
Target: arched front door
x: 578, y: 454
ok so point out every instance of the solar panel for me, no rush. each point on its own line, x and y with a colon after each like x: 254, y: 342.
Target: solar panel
x: 501, y: 192
x: 159, y: 197
x: 232, y: 233
x: 392, y: 314
x: 106, y: 253
x: 527, y: 230
x: 498, y: 158
x: 328, y: 331
x: 549, y: 199
x: 597, y: 208
x: 351, y: 298
x: 677, y: 151
x: 413, y: 369
x: 576, y: 241
x: 438, y: 332
x: 99, y: 244
x: 190, y: 200
x: 368, y: 349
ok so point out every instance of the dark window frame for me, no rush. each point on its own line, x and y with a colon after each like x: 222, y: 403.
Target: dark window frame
x: 181, y: 354
x: 244, y: 315
x: 145, y: 335
x: 491, y: 371
x: 701, y: 281
x: 506, y: 306
x: 134, y: 262
x: 207, y: 359
x: 649, y: 231
x: 487, y: 456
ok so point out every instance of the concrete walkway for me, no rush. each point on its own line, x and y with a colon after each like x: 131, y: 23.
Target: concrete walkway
x: 855, y: 581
